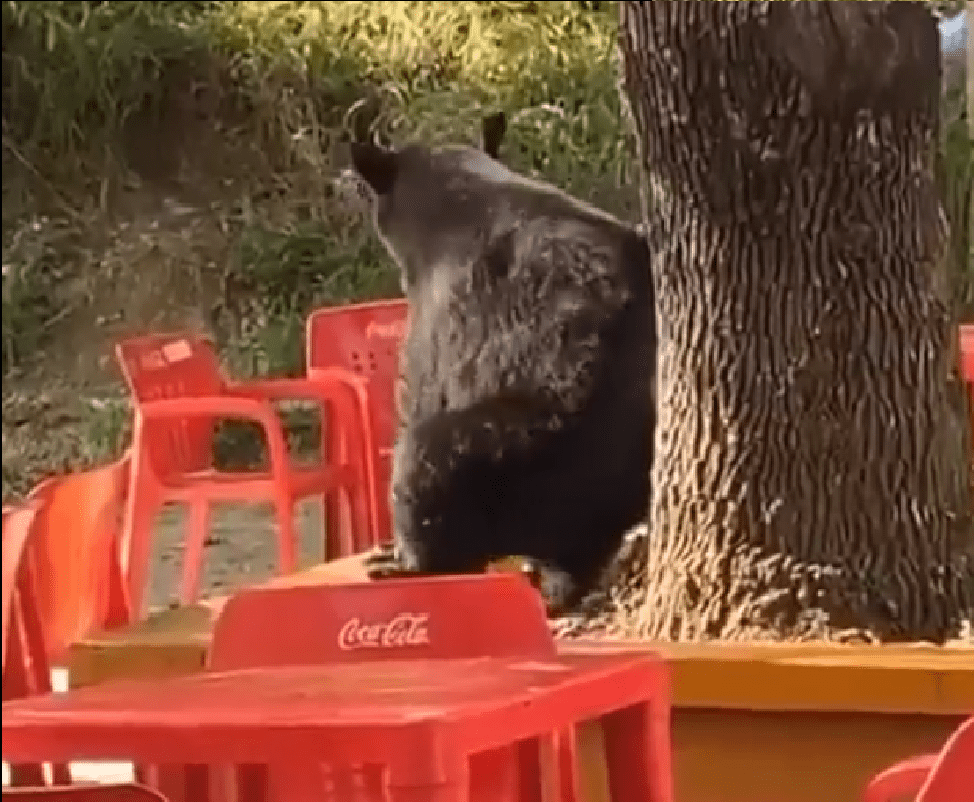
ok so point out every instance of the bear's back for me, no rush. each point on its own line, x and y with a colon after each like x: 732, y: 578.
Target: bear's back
x: 537, y: 306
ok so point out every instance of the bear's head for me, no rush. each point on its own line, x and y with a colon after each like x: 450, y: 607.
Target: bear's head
x: 434, y: 204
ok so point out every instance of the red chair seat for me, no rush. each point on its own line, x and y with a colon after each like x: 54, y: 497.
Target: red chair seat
x: 303, y: 482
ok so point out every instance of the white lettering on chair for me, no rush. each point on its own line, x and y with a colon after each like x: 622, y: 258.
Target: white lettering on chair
x: 405, y: 629
x: 393, y: 331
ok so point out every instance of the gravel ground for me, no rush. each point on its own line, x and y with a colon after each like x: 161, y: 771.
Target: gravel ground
x: 240, y: 551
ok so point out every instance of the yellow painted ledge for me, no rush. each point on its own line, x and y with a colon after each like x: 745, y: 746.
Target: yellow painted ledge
x: 816, y: 677
x: 805, y: 722
x: 801, y: 677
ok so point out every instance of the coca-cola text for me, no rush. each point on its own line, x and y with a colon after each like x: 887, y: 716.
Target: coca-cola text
x: 405, y: 629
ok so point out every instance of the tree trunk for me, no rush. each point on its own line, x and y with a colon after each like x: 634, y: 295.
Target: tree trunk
x: 970, y: 65
x: 806, y: 480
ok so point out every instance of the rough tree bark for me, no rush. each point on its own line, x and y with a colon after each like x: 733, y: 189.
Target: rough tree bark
x: 806, y: 479
x: 970, y: 64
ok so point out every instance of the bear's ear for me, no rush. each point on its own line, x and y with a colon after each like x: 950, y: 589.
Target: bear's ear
x: 376, y: 165
x: 493, y: 128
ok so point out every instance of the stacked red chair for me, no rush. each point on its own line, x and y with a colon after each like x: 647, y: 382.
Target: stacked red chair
x: 360, y: 343
x: 26, y: 670
x: 75, y: 541
x: 62, y: 579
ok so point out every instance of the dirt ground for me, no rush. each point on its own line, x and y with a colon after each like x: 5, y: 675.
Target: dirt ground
x: 240, y: 551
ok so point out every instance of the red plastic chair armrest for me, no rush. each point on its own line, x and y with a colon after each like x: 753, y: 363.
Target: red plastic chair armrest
x: 335, y: 390
x: 900, y: 779
x: 335, y: 387
x: 325, y: 385
x: 331, y: 390
x: 226, y: 406
x: 210, y: 406
x: 342, y: 376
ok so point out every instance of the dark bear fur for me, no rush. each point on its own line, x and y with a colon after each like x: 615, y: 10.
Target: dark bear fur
x: 528, y: 417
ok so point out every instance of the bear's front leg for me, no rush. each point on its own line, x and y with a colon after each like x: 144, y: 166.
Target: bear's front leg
x: 385, y: 563
x: 401, y: 558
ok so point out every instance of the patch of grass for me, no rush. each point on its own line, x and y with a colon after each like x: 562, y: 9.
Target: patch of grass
x: 73, y: 72
x: 239, y: 110
x: 32, y: 251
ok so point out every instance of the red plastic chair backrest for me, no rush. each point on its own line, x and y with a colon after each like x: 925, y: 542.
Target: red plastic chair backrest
x: 954, y: 769
x: 395, y: 619
x: 26, y: 670
x: 365, y: 339
x: 17, y: 523
x: 78, y: 581
x: 87, y: 793
x: 173, y: 366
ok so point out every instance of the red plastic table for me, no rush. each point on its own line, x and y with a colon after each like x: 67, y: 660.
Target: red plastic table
x: 420, y: 719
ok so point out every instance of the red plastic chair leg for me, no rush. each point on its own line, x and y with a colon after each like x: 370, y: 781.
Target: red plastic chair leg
x: 26, y: 672
x: 117, y: 603
x: 198, y: 528
x: 137, y: 543
x: 566, y: 759
x: 532, y: 759
x: 286, y: 536
x: 177, y: 783
x: 30, y: 775
x: 252, y: 782
x: 337, y: 509
x: 494, y: 775
x: 361, y: 514
x: 637, y: 752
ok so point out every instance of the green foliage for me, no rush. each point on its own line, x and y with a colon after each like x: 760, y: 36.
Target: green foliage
x: 30, y: 263
x: 265, y: 93
x: 276, y: 87
x: 74, y: 71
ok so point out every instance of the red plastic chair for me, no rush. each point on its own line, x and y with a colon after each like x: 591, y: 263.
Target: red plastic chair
x: 433, y: 618
x: 930, y: 778
x: 496, y: 616
x: 417, y: 722
x: 179, y: 394
x: 490, y: 616
x: 410, y: 659
x: 86, y: 793
x: 75, y: 541
x: 26, y: 671
x: 365, y: 340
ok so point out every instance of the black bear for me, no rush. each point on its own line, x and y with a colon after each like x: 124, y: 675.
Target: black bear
x: 528, y: 415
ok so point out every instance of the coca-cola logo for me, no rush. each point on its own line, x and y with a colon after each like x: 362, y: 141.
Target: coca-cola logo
x: 405, y: 629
